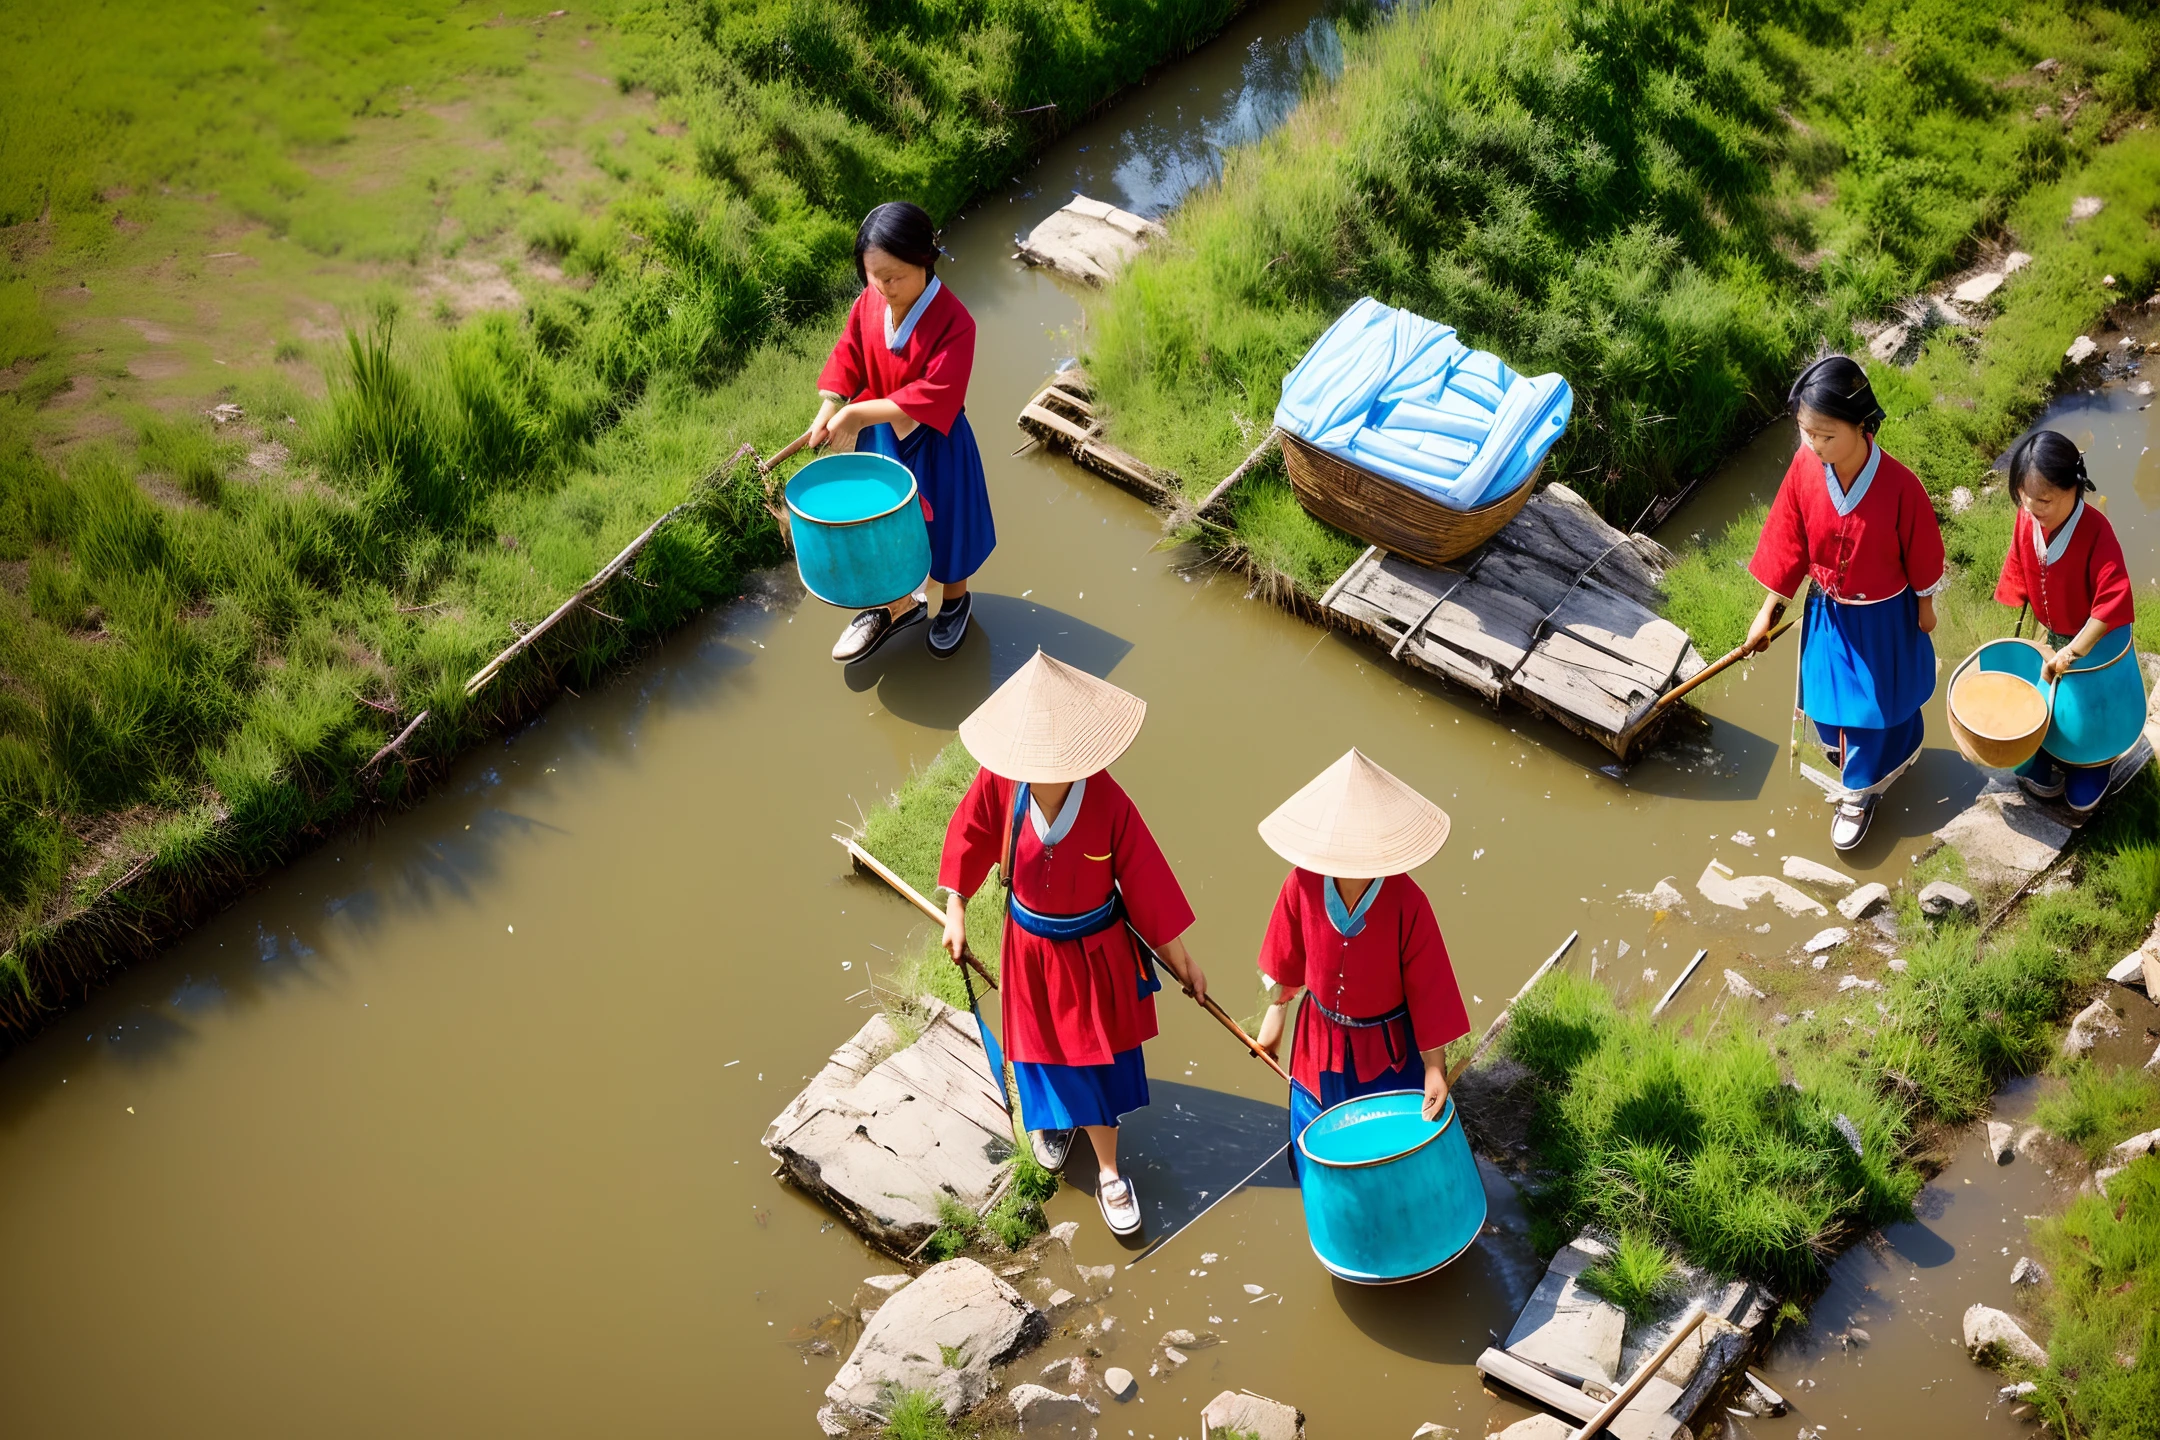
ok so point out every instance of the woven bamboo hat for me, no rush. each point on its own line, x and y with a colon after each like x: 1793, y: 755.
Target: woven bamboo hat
x: 1051, y: 723
x: 1356, y: 822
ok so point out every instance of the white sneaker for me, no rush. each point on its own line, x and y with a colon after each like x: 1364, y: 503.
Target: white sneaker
x: 1850, y: 825
x: 1120, y: 1205
x: 1050, y: 1147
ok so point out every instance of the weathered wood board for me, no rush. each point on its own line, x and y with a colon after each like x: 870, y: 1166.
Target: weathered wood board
x: 1062, y: 416
x: 1552, y: 612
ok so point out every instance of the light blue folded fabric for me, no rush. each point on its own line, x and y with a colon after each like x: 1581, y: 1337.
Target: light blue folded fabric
x: 1403, y: 397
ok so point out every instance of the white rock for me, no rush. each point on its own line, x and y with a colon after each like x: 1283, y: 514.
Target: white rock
x: 958, y: 1309
x: 1864, y: 901
x: 2136, y: 1147
x: 1063, y: 1232
x: 1537, y: 1427
x: 1828, y: 939
x: 1961, y: 499
x: 1854, y: 982
x: 1088, y: 240
x: 2084, y: 207
x: 1119, y: 1382
x: 1811, y: 872
x: 1431, y: 1431
x: 1661, y: 896
x: 1042, y: 1409
x: 2081, y: 350
x: 1174, y: 1356
x: 1977, y: 289
x: 1898, y: 967
x: 1738, y: 984
x: 2027, y: 1271
x: 2015, y: 261
x: 887, y: 1283
x: 1784, y: 896
x: 1259, y: 1416
x: 1992, y: 1336
x: 2094, y: 1021
x: 2001, y: 1140
x: 1939, y: 898
x: 1741, y: 837
x: 1060, y: 1299
x: 1717, y: 887
x: 1885, y: 346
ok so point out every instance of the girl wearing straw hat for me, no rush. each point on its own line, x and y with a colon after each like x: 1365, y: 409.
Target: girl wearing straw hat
x: 1859, y: 525
x: 1089, y: 904
x: 1355, y: 934
x: 2065, y: 560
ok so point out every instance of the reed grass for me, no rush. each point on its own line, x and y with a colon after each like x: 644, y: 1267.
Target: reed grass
x: 1638, y: 1274
x: 2097, y: 1107
x: 2103, y: 1310
x: 1669, y: 203
x: 916, y: 1415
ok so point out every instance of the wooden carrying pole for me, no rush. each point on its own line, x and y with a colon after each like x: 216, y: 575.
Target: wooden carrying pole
x: 1238, y: 1030
x: 915, y: 897
x: 1597, y: 1423
x: 1731, y: 657
x: 1492, y: 1030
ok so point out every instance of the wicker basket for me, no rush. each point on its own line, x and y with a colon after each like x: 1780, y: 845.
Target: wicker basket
x: 1390, y: 515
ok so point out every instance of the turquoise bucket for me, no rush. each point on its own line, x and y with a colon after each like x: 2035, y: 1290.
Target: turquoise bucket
x: 2099, y: 704
x: 857, y: 523
x: 1389, y: 1195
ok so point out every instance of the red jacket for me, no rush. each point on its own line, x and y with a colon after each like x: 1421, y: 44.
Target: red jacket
x: 1889, y: 543
x: 927, y: 377
x: 2091, y: 579
x: 1397, y: 959
x: 1070, y: 1002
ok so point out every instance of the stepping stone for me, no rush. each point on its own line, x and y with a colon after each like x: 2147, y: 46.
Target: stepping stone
x: 1567, y: 1328
x: 942, y: 1334
x: 1255, y: 1415
x: 1812, y: 872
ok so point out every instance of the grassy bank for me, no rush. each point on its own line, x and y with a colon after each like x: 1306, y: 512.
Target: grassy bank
x: 482, y: 314
x: 1669, y: 203
x: 2103, y: 1310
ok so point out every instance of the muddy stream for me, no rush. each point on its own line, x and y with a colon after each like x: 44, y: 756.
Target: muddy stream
x: 452, y: 1127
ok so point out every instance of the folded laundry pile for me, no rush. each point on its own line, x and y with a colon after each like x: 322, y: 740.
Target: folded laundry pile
x: 1400, y: 396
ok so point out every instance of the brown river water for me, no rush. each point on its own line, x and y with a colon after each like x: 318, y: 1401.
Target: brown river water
x: 452, y: 1127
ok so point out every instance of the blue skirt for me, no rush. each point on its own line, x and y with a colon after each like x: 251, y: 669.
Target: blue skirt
x: 1063, y: 1097
x: 948, y: 469
x: 1337, y: 1086
x: 1865, y: 671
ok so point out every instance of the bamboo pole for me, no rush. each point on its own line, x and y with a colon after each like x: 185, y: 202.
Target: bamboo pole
x: 914, y: 897
x: 1208, y: 1004
x: 1659, y: 1008
x: 1485, y: 1041
x: 396, y: 745
x: 1590, y: 1428
x: 1245, y: 467
x: 1732, y: 656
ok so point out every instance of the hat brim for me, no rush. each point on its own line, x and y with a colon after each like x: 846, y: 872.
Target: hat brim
x: 1052, y: 723
x: 1355, y: 821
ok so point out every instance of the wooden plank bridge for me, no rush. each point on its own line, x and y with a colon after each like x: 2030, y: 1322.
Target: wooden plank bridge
x: 1555, y: 612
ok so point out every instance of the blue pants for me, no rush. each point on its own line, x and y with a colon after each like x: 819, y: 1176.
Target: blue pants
x: 948, y: 470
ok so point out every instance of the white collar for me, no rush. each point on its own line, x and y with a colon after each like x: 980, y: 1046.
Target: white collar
x: 896, y: 340
x: 1847, y: 501
x: 1045, y: 831
x: 2051, y: 551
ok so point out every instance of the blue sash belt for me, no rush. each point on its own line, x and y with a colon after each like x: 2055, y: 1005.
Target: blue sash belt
x: 1108, y: 915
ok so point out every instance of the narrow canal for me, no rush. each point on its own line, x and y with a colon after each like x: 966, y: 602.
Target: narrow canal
x: 453, y: 1126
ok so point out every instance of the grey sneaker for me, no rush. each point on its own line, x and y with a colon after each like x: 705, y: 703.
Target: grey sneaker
x: 1050, y: 1147
x: 871, y: 629
x: 1850, y: 825
x: 949, y: 629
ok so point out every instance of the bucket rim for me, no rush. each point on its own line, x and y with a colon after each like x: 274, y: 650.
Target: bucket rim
x: 2047, y: 715
x: 1447, y: 1118
x: 787, y: 492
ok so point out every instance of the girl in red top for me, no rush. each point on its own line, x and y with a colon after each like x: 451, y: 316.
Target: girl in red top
x: 1090, y: 905
x: 1356, y: 936
x: 1859, y: 525
x: 2065, y: 561
x: 896, y: 385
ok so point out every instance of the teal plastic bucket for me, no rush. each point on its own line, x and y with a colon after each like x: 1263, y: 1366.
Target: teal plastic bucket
x: 1389, y: 1195
x: 858, y: 529
x: 2099, y: 704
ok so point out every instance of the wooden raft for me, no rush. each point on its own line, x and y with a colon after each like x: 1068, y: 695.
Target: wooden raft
x: 1062, y: 416
x: 1554, y: 612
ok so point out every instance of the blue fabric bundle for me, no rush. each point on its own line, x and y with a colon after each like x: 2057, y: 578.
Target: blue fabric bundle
x: 1399, y: 395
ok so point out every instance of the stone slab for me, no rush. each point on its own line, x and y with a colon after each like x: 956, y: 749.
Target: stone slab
x: 1256, y: 1415
x: 1563, y: 1326
x: 942, y: 1334
x: 1088, y: 240
x: 2003, y: 840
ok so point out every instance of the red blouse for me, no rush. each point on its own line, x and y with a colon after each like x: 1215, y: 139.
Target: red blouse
x: 1397, y: 959
x: 2091, y: 579
x: 927, y: 377
x: 1889, y: 543
x: 1071, y: 1002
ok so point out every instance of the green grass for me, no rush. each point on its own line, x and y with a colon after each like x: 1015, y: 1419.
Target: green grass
x: 916, y: 1415
x: 2103, y: 1310
x: 1670, y: 203
x: 2096, y: 1107
x: 214, y: 629
x: 1636, y: 1276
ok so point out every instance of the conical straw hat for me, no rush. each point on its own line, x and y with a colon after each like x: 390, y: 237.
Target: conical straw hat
x: 1356, y: 822
x: 1051, y: 723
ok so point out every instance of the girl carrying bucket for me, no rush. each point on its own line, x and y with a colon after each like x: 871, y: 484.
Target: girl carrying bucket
x: 896, y: 385
x: 1859, y: 525
x: 2065, y: 561
x: 1090, y: 904
x: 1355, y: 934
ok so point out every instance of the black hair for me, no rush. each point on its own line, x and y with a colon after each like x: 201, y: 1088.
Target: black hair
x: 902, y: 229
x: 2053, y: 457
x: 1836, y: 386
